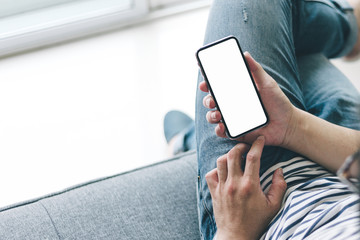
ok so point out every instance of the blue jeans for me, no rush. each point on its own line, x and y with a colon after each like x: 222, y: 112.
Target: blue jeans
x: 292, y: 40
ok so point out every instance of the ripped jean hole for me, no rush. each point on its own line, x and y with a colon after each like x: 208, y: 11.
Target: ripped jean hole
x: 245, y: 15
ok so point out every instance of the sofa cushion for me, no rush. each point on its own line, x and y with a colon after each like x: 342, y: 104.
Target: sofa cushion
x: 153, y: 202
x: 29, y: 221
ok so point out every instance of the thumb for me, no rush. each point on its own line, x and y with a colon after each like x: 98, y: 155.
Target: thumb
x: 258, y: 73
x: 277, y: 189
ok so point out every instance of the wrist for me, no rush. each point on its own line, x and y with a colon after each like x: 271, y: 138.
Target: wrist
x: 294, y: 130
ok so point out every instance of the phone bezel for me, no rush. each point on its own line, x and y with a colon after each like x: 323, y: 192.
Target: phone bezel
x: 211, y: 91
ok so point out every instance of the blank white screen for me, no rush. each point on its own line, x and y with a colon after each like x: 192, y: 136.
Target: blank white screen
x: 232, y: 87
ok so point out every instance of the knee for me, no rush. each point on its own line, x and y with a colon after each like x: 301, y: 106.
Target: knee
x: 324, y: 23
x: 340, y: 109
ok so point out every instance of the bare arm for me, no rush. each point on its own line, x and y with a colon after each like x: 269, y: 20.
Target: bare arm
x: 289, y: 127
x: 323, y: 142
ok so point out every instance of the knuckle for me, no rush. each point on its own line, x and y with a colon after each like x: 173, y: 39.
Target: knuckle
x: 283, y: 185
x: 247, y: 187
x: 251, y: 157
x: 231, y: 154
x: 221, y: 161
x: 235, y: 152
x: 231, y: 189
x: 208, y: 176
x: 209, y: 181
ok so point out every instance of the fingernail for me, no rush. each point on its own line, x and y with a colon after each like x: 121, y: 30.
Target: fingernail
x: 208, y: 102
x: 280, y: 172
x: 261, y: 138
x: 213, y: 115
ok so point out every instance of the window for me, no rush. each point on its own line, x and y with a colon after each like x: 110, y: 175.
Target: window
x: 155, y: 4
x: 31, y: 24
x: 12, y: 7
x: 26, y: 26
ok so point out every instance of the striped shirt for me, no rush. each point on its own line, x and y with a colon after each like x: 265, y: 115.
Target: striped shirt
x: 316, y: 205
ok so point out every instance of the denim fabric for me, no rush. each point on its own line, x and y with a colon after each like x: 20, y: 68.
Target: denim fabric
x: 323, y: 26
x: 285, y: 38
x: 185, y: 140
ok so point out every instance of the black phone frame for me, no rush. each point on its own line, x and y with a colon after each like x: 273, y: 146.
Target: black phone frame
x: 211, y: 91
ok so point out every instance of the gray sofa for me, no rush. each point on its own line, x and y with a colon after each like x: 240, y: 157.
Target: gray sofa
x: 153, y: 202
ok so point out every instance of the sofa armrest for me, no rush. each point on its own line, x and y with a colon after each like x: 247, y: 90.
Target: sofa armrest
x: 153, y: 202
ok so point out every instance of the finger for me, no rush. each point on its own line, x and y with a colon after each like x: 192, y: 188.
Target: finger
x: 213, y: 116
x: 252, y: 166
x: 277, y: 189
x: 220, y: 130
x: 234, y: 159
x: 203, y: 86
x: 222, y: 168
x: 259, y: 74
x: 209, y: 102
x: 212, y: 180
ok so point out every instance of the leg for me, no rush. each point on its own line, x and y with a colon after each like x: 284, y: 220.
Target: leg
x: 266, y: 32
x: 328, y: 93
x: 179, y: 131
x: 325, y: 26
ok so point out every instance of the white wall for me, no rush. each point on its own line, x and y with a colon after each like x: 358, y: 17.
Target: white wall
x: 94, y: 107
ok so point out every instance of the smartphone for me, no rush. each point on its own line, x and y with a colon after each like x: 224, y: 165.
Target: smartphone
x: 224, y: 68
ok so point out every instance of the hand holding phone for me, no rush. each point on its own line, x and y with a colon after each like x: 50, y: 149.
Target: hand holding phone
x: 281, y: 112
x: 230, y: 83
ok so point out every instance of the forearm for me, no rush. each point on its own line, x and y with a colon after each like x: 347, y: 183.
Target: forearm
x: 321, y: 141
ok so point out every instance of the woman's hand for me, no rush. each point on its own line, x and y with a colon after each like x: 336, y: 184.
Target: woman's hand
x: 277, y: 105
x: 241, y: 209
